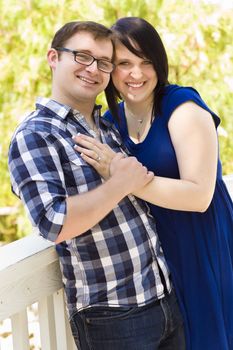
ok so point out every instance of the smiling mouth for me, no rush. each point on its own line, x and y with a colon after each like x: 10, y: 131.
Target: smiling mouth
x: 86, y: 80
x: 135, y: 85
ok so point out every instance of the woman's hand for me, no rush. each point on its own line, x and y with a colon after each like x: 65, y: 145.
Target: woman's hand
x: 95, y: 153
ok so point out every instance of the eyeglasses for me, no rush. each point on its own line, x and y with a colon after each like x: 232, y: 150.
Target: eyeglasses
x: 87, y: 60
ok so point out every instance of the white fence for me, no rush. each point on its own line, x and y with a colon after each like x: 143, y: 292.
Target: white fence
x: 29, y: 273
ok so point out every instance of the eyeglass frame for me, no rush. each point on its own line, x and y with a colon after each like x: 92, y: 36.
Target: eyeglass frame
x: 75, y: 52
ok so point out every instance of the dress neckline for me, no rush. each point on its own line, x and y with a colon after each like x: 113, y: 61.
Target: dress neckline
x: 125, y: 131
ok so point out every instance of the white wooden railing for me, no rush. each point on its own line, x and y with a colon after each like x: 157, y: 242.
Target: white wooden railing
x: 29, y: 273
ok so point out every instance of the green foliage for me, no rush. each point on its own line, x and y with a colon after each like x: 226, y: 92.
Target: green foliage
x: 198, y: 39
x: 14, y: 225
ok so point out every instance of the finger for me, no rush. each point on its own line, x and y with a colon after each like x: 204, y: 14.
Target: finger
x: 89, y: 145
x: 118, y: 156
x: 93, y: 162
x: 83, y: 137
x: 89, y: 153
x: 150, y: 175
x: 95, y: 146
x: 87, y: 142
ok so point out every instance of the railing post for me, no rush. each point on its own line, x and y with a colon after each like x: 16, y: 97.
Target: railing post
x: 47, y: 323
x: 20, y: 335
x: 63, y: 331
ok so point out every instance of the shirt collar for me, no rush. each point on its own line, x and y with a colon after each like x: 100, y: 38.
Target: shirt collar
x: 63, y: 110
x: 46, y: 103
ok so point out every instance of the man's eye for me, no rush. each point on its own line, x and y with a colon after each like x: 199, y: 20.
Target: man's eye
x: 83, y: 57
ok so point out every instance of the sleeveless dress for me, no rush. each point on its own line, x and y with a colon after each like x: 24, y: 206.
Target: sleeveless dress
x: 198, y: 246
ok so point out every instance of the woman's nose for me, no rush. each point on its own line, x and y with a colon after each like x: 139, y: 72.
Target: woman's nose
x: 136, y: 72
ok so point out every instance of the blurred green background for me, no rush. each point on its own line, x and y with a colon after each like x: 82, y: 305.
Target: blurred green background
x: 197, y: 36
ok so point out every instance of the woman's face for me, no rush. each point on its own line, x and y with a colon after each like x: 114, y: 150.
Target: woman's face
x: 134, y: 77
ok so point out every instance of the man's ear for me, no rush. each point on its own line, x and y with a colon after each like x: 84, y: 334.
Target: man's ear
x: 52, y: 58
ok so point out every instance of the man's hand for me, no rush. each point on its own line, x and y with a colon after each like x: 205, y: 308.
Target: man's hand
x: 130, y: 173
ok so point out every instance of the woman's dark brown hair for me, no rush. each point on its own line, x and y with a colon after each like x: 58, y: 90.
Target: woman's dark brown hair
x: 148, y: 44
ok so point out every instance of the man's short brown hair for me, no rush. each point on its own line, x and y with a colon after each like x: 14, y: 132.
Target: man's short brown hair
x: 99, y: 31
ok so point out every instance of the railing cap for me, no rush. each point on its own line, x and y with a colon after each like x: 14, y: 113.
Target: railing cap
x: 22, y: 249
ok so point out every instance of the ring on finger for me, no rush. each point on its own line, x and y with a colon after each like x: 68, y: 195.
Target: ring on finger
x: 98, y: 158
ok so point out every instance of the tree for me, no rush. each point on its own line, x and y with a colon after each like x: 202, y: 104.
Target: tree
x: 198, y: 42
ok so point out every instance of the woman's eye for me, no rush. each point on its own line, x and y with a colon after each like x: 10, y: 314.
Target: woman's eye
x: 123, y: 63
x: 147, y: 62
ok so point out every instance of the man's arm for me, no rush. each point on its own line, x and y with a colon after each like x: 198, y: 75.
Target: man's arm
x: 86, y: 210
x: 38, y: 178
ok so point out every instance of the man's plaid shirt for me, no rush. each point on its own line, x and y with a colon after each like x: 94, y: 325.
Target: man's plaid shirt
x: 118, y: 262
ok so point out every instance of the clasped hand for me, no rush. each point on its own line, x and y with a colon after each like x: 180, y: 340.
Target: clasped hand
x: 107, y: 162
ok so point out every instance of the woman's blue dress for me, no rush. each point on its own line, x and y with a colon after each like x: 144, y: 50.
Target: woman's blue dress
x: 198, y: 246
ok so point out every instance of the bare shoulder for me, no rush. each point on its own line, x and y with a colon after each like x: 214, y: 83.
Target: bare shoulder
x: 190, y: 115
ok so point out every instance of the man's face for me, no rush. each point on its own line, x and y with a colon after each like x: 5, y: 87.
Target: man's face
x: 74, y: 83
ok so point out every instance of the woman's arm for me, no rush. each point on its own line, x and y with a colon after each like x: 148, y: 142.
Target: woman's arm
x: 194, y: 138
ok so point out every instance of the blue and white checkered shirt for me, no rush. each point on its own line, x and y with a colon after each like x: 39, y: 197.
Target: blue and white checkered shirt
x: 118, y: 262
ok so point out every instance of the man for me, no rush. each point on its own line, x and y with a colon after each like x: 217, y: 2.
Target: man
x: 116, y: 280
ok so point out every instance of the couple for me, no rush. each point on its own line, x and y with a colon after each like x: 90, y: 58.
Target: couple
x: 75, y: 173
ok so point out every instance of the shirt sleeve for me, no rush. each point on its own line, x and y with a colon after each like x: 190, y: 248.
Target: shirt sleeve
x: 178, y: 95
x: 37, y: 178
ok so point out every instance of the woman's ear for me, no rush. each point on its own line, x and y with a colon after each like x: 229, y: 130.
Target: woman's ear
x: 52, y: 58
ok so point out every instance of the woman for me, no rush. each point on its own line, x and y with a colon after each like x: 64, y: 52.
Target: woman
x: 173, y: 133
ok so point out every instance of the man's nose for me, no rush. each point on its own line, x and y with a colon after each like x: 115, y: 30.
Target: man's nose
x: 92, y: 67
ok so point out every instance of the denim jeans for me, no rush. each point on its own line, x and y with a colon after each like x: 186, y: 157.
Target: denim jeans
x: 157, y: 326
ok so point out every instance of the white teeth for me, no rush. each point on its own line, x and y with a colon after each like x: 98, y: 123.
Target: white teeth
x: 135, y: 85
x: 86, y: 80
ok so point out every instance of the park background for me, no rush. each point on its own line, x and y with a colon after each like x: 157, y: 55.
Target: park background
x: 197, y: 35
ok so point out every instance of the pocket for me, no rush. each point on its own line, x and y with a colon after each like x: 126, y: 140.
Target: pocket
x: 75, y: 332
x: 82, y: 177
x: 75, y: 158
x: 102, y: 315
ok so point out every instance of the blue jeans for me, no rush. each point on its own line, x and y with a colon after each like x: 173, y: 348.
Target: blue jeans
x: 157, y: 326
